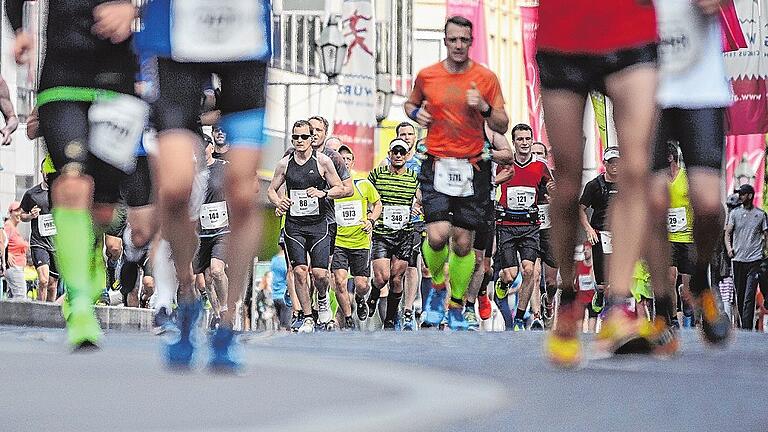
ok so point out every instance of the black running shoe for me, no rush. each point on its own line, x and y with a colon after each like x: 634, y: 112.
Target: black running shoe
x: 362, y: 308
x: 349, y: 323
x: 371, y: 303
x: 715, y: 325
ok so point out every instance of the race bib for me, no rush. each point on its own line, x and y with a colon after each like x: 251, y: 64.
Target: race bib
x: 453, y: 177
x: 218, y: 31
x: 116, y: 126
x: 586, y: 283
x: 214, y: 215
x: 303, y: 205
x: 682, y: 30
x: 677, y: 220
x: 45, y: 225
x: 396, y: 217
x: 544, y: 219
x: 521, y: 197
x: 349, y: 213
x: 606, y: 241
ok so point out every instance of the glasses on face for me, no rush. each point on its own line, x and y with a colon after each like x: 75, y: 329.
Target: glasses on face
x: 399, y: 151
x: 463, y: 40
x: 303, y: 137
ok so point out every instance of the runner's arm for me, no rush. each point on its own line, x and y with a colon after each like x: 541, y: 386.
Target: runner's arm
x: 337, y: 188
x: 584, y: 221
x: 6, y: 106
x: 504, y: 173
x: 33, y: 125
x: 375, y: 212
x: 280, y: 201
x: 501, y: 151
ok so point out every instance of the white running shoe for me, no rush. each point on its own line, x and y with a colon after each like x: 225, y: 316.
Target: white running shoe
x: 324, y: 310
x: 308, y: 326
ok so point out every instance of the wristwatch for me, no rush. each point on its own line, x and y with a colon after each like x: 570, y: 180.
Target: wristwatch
x: 487, y: 113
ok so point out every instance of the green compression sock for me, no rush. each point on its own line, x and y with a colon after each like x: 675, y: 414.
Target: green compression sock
x: 460, y: 270
x: 435, y: 262
x: 74, y: 248
x: 98, y: 270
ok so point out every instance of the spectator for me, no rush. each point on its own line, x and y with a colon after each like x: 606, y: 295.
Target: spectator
x: 334, y: 143
x: 745, y: 235
x: 17, y: 253
x: 279, y: 270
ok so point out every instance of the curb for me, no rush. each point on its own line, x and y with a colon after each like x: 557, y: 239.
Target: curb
x: 37, y: 314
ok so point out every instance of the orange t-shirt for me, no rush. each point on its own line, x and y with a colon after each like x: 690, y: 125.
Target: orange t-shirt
x: 17, y: 246
x: 456, y: 129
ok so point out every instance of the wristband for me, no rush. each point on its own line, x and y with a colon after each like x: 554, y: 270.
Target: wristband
x: 414, y: 113
x: 487, y: 113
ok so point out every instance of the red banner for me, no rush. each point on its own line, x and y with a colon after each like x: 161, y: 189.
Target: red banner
x: 530, y: 20
x: 745, y: 163
x: 473, y: 11
x: 747, y: 70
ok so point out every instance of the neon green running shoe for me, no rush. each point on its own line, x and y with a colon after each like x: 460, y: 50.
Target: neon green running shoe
x: 501, y: 289
x: 83, y: 330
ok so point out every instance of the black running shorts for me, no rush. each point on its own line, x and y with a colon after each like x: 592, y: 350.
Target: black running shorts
x: 209, y: 248
x: 42, y: 256
x: 313, y: 240
x: 357, y: 261
x: 394, y: 245
x: 514, y: 240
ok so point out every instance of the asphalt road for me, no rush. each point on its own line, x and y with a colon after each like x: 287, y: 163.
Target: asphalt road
x: 379, y: 381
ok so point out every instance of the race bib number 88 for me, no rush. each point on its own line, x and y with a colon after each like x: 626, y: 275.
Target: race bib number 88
x: 303, y: 204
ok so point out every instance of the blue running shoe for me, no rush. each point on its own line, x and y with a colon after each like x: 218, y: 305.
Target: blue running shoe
x: 471, y: 319
x: 435, y: 310
x: 223, y: 343
x: 456, y: 319
x: 179, y: 354
x: 408, y: 321
x: 518, y: 325
x: 162, y: 322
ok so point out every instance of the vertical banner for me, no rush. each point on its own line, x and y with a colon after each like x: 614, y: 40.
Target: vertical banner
x: 601, y: 118
x: 473, y: 11
x: 745, y: 163
x: 355, y: 117
x: 530, y: 21
x: 747, y: 70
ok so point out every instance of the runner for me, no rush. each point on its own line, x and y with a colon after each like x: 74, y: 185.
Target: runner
x: 393, y: 234
x: 213, y: 231
x: 91, y: 124
x: 598, y: 195
x: 356, y: 217
x: 188, y: 52
x: 502, y: 153
x: 518, y: 227
x: 307, y: 175
x: 585, y: 284
x: 546, y: 259
x: 693, y: 94
x: 36, y: 208
x: 455, y: 177
x: 619, y: 59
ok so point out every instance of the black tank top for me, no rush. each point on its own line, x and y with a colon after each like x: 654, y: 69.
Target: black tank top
x: 300, y: 178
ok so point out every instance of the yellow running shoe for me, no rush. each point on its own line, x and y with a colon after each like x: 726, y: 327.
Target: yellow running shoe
x: 562, y: 345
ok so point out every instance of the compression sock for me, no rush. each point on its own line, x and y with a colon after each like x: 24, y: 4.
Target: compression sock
x: 460, y: 270
x: 436, y: 263
x: 165, y: 276
x: 393, y: 305
x: 383, y: 307
x: 98, y: 269
x: 520, y: 314
x: 74, y: 248
x: 426, y: 285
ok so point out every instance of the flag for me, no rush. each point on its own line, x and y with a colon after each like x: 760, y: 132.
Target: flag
x: 473, y: 11
x: 745, y: 162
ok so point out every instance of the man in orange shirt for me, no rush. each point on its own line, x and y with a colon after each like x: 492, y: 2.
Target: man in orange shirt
x: 453, y: 99
x: 17, y: 253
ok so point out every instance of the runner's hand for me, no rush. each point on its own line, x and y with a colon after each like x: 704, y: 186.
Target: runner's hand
x: 35, y: 212
x: 284, y: 205
x: 592, y: 236
x: 474, y: 99
x: 316, y: 193
x: 710, y: 7
x: 22, y: 47
x: 367, y: 226
x: 731, y: 254
x: 423, y: 117
x: 6, y: 133
x: 113, y: 21
x: 550, y: 186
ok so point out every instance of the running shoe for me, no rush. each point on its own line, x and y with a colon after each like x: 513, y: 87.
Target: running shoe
x: 162, y: 322
x: 537, y: 325
x: 324, y: 314
x: 518, y: 325
x: 665, y: 338
x: 622, y: 332
x: 443, y: 322
x: 715, y: 325
x: 330, y: 326
x: 456, y: 319
x: 307, y: 325
x: 562, y: 345
x: 297, y: 322
x: 223, y: 344
x: 83, y: 330
x: 371, y: 303
x: 349, y: 323
x: 598, y: 301
x: 501, y: 289
x: 471, y: 319
x: 362, y: 308
x: 435, y: 310
x: 408, y: 324
x: 548, y: 311
x: 214, y: 323
x: 389, y: 325
x: 205, y: 300
x: 484, y: 307
x: 179, y: 353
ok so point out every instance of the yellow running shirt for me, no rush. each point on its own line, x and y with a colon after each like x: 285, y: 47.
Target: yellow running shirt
x: 351, y: 212
x: 680, y: 215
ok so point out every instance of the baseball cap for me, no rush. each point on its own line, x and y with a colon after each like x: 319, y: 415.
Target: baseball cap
x: 13, y: 206
x: 745, y: 189
x: 397, y: 142
x: 610, y: 153
x: 345, y: 148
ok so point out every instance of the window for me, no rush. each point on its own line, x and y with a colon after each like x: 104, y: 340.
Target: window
x: 293, y: 42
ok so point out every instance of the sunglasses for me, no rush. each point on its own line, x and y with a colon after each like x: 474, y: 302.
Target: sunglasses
x: 304, y: 137
x: 399, y: 151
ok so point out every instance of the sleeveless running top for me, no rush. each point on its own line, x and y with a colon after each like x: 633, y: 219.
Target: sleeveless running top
x: 298, y: 178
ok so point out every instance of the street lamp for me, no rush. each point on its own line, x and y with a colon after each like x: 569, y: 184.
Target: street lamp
x: 383, y: 96
x: 332, y: 49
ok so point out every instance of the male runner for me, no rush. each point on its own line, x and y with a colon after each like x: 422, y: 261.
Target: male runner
x: 453, y: 99
x: 546, y: 259
x: 91, y: 124
x: 518, y: 227
x: 188, y: 51
x: 393, y: 233
x: 36, y: 208
x: 310, y: 179
x: 356, y: 216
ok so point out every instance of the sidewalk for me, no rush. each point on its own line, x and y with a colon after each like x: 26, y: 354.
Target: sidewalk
x: 38, y: 314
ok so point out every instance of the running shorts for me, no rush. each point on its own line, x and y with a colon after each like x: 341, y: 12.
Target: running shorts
x: 42, y: 256
x: 357, y: 261
x: 512, y: 240
x: 313, y: 240
x: 394, y: 245
x: 207, y: 249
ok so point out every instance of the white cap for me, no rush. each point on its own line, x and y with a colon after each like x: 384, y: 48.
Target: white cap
x: 397, y: 142
x: 610, y: 153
